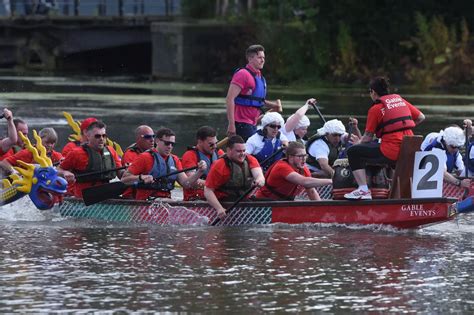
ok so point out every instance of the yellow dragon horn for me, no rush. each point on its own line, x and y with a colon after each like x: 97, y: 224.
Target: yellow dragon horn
x: 41, y: 158
x: 75, y: 125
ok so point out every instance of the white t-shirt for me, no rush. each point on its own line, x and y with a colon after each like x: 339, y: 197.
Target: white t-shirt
x: 255, y: 143
x: 459, y: 162
x: 289, y: 135
x: 320, y: 149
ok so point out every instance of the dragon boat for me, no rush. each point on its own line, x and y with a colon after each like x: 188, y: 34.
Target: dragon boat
x: 399, y: 213
x: 399, y: 209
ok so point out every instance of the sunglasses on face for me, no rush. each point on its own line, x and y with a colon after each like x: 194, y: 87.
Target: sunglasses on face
x: 168, y: 143
x: 273, y: 126
x: 148, y: 137
x: 97, y: 136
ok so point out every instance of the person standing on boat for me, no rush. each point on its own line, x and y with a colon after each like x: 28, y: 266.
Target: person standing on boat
x: 232, y: 175
x: 205, y: 150
x: 158, y: 162
x: 7, y: 143
x: 296, y: 126
x: 449, y: 140
x: 144, y: 140
x: 93, y: 156
x: 49, y: 137
x: 327, y: 146
x: 283, y: 178
x: 267, y: 140
x: 390, y: 119
x: 246, y: 95
x: 70, y: 146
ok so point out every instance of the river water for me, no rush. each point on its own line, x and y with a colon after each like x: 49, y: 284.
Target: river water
x: 53, y: 264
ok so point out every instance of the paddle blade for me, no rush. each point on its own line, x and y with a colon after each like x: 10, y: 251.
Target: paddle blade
x: 93, y: 195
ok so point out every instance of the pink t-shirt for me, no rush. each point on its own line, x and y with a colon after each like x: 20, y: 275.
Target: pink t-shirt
x: 244, y: 80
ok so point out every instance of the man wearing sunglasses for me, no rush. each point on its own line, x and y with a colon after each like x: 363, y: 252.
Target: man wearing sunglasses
x: 284, y: 178
x: 205, y: 150
x: 93, y: 156
x: 75, y: 144
x: 144, y: 140
x: 449, y: 140
x: 159, y: 162
x: 267, y: 140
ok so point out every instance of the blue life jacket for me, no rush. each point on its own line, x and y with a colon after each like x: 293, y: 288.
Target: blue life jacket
x: 160, y: 168
x: 202, y: 156
x: 450, y: 157
x: 268, y: 149
x: 257, y: 98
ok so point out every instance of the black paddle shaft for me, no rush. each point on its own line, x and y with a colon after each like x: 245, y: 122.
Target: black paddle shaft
x: 100, y: 172
x: 319, y: 112
x: 95, y: 194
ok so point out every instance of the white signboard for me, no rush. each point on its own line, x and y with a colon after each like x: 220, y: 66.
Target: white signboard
x: 428, y: 174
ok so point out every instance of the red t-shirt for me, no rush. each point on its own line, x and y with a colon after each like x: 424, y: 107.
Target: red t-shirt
x: 143, y: 165
x: 190, y: 159
x: 26, y: 156
x: 77, y: 160
x: 129, y: 156
x: 220, y: 174
x: 4, y: 155
x: 69, y: 147
x: 276, y: 178
x: 391, y: 142
x: 244, y: 80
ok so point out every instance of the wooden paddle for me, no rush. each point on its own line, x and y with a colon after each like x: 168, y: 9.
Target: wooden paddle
x: 95, y: 194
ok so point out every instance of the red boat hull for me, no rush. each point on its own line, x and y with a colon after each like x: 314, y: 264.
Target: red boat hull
x: 399, y: 213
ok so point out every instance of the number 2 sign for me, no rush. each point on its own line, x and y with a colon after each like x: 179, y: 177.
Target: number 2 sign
x: 428, y: 174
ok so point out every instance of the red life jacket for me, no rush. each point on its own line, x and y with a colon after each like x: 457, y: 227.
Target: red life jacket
x: 396, y: 116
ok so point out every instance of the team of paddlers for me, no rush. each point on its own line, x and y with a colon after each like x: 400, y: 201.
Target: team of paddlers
x: 276, y: 159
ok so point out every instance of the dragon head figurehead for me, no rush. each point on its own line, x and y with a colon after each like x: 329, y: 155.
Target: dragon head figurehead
x: 41, y: 182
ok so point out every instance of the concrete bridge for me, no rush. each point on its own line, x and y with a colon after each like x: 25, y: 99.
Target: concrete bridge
x: 130, y: 36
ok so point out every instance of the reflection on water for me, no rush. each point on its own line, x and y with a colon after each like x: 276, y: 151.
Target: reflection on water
x: 59, y: 266
x: 53, y: 265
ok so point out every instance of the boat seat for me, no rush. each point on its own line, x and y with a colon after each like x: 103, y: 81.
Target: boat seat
x: 403, y: 175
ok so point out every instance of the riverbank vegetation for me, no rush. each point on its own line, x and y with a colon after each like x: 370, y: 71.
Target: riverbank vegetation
x: 425, y: 43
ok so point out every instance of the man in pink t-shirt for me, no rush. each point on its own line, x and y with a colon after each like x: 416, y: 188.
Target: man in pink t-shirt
x: 246, y: 95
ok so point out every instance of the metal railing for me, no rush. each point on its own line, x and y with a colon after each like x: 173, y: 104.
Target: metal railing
x: 84, y: 8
